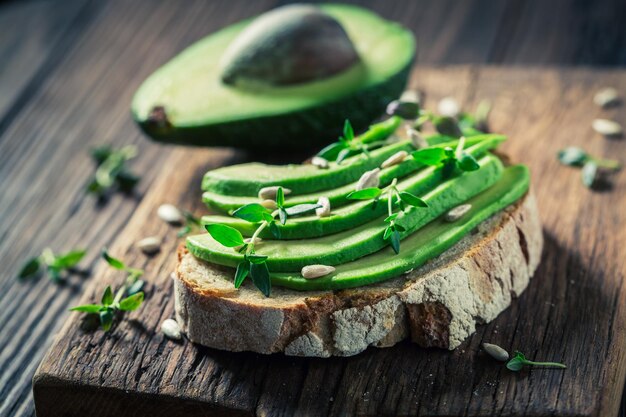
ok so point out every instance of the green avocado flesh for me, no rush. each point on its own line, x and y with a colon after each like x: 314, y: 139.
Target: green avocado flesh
x: 356, y: 213
x: 197, y: 108
x: 427, y: 243
x: 245, y: 180
x: 357, y: 242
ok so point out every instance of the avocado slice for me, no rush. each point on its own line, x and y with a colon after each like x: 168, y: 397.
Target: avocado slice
x: 360, y: 241
x: 356, y: 213
x: 336, y: 193
x: 427, y: 243
x: 187, y: 101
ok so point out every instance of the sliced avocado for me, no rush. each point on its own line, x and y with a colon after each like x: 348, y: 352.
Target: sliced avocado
x: 187, y: 101
x: 325, y: 181
x: 427, y: 243
x: 356, y: 213
x: 354, y: 243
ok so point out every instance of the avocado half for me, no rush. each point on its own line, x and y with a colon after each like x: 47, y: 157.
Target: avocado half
x: 198, y: 99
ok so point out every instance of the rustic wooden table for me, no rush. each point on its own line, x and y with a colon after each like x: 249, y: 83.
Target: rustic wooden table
x: 68, y: 71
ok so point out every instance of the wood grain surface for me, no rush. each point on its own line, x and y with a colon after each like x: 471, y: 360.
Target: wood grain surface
x: 67, y: 74
x: 574, y: 310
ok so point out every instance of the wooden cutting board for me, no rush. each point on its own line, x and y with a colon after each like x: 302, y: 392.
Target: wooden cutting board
x: 574, y: 310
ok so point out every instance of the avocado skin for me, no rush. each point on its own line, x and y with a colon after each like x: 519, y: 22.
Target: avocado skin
x: 306, y: 128
x: 358, y: 242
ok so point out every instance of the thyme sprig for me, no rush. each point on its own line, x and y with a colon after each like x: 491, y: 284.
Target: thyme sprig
x: 55, y: 265
x: 518, y: 361
x: 111, y: 171
x: 395, y: 198
x: 128, y: 297
x: 255, y: 265
x: 448, y: 158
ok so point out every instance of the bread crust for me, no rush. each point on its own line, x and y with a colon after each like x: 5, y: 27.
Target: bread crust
x: 436, y: 305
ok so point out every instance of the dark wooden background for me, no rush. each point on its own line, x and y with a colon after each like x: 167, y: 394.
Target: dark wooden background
x: 63, y: 62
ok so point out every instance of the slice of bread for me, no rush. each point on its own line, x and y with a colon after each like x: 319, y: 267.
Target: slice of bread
x: 437, y: 305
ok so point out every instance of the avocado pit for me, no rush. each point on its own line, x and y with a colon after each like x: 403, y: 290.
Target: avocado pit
x: 289, y: 45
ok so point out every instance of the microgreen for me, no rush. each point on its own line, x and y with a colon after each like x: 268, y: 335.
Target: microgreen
x: 55, y: 265
x: 447, y: 125
x: 518, y: 361
x: 450, y: 159
x: 347, y: 145
x: 111, y: 172
x: 109, y: 305
x: 133, y: 284
x: 191, y: 223
x: 592, y: 168
x: 128, y: 297
x: 394, y: 197
x: 253, y: 264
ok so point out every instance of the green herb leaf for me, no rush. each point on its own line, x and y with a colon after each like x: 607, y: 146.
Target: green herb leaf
x: 106, y: 319
x: 268, y: 217
x: 107, y: 297
x: 135, y: 287
x: 590, y: 174
x: 449, y: 166
x: 30, y: 269
x: 412, y: 200
x: 132, y: 302
x: 241, y: 273
x: 69, y: 259
x: 253, y: 213
x: 256, y: 259
x: 280, y: 197
x: 573, y: 156
x: 467, y: 162
x: 331, y: 151
x: 364, y: 194
x: 391, y: 218
x: 114, y: 262
x: 516, y: 363
x: 388, y: 231
x: 348, y: 132
x: 183, y: 231
x: 519, y: 361
x: 88, y: 308
x: 225, y: 235
x: 275, y: 230
x: 261, y: 277
x: 282, y: 215
x: 301, y: 209
x: 395, y: 241
x: 343, y: 154
x: 429, y: 156
x: 399, y: 228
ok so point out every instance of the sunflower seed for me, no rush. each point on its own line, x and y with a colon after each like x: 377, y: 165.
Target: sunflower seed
x: 269, y: 204
x: 457, y: 212
x: 496, y: 352
x: 149, y: 245
x: 448, y: 107
x: 606, y: 97
x: 170, y: 214
x: 319, y: 162
x: 607, y: 127
x: 590, y: 174
x: 394, y: 159
x: 369, y: 179
x: 171, y: 329
x: 416, y: 138
x: 411, y: 95
x: 270, y: 192
x: 316, y: 271
x: 323, y: 211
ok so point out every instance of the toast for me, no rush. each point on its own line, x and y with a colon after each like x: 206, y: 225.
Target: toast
x: 436, y: 305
